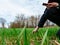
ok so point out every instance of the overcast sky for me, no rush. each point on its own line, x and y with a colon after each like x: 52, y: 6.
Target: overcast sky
x: 10, y: 8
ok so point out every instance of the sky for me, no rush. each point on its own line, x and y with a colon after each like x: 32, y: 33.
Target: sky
x: 11, y: 8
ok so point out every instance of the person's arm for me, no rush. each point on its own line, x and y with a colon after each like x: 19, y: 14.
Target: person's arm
x: 53, y: 3
x: 41, y: 23
x: 42, y: 20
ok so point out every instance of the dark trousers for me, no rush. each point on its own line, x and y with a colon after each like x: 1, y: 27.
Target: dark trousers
x: 52, y: 14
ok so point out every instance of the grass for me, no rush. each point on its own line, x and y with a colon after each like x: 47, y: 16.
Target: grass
x: 24, y: 36
x: 44, y: 37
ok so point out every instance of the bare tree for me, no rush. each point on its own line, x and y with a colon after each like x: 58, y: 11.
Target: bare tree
x: 36, y: 20
x: 2, y: 21
x: 32, y: 21
x: 47, y: 23
x: 26, y: 22
x: 22, y: 17
x: 19, y: 21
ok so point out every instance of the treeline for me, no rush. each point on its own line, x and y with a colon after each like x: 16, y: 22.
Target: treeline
x: 21, y: 21
x: 29, y: 22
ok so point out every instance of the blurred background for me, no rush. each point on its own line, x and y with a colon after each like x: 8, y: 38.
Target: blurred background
x: 18, y: 13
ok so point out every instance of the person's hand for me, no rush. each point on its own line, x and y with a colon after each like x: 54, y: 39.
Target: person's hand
x: 53, y: 4
x: 35, y: 30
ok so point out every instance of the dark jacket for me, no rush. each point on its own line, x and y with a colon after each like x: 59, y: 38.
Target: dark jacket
x: 52, y: 14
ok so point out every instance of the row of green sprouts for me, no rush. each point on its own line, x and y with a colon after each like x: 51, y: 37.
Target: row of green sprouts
x: 44, y: 36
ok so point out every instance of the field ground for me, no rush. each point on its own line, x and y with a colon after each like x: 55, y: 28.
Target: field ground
x: 24, y: 36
